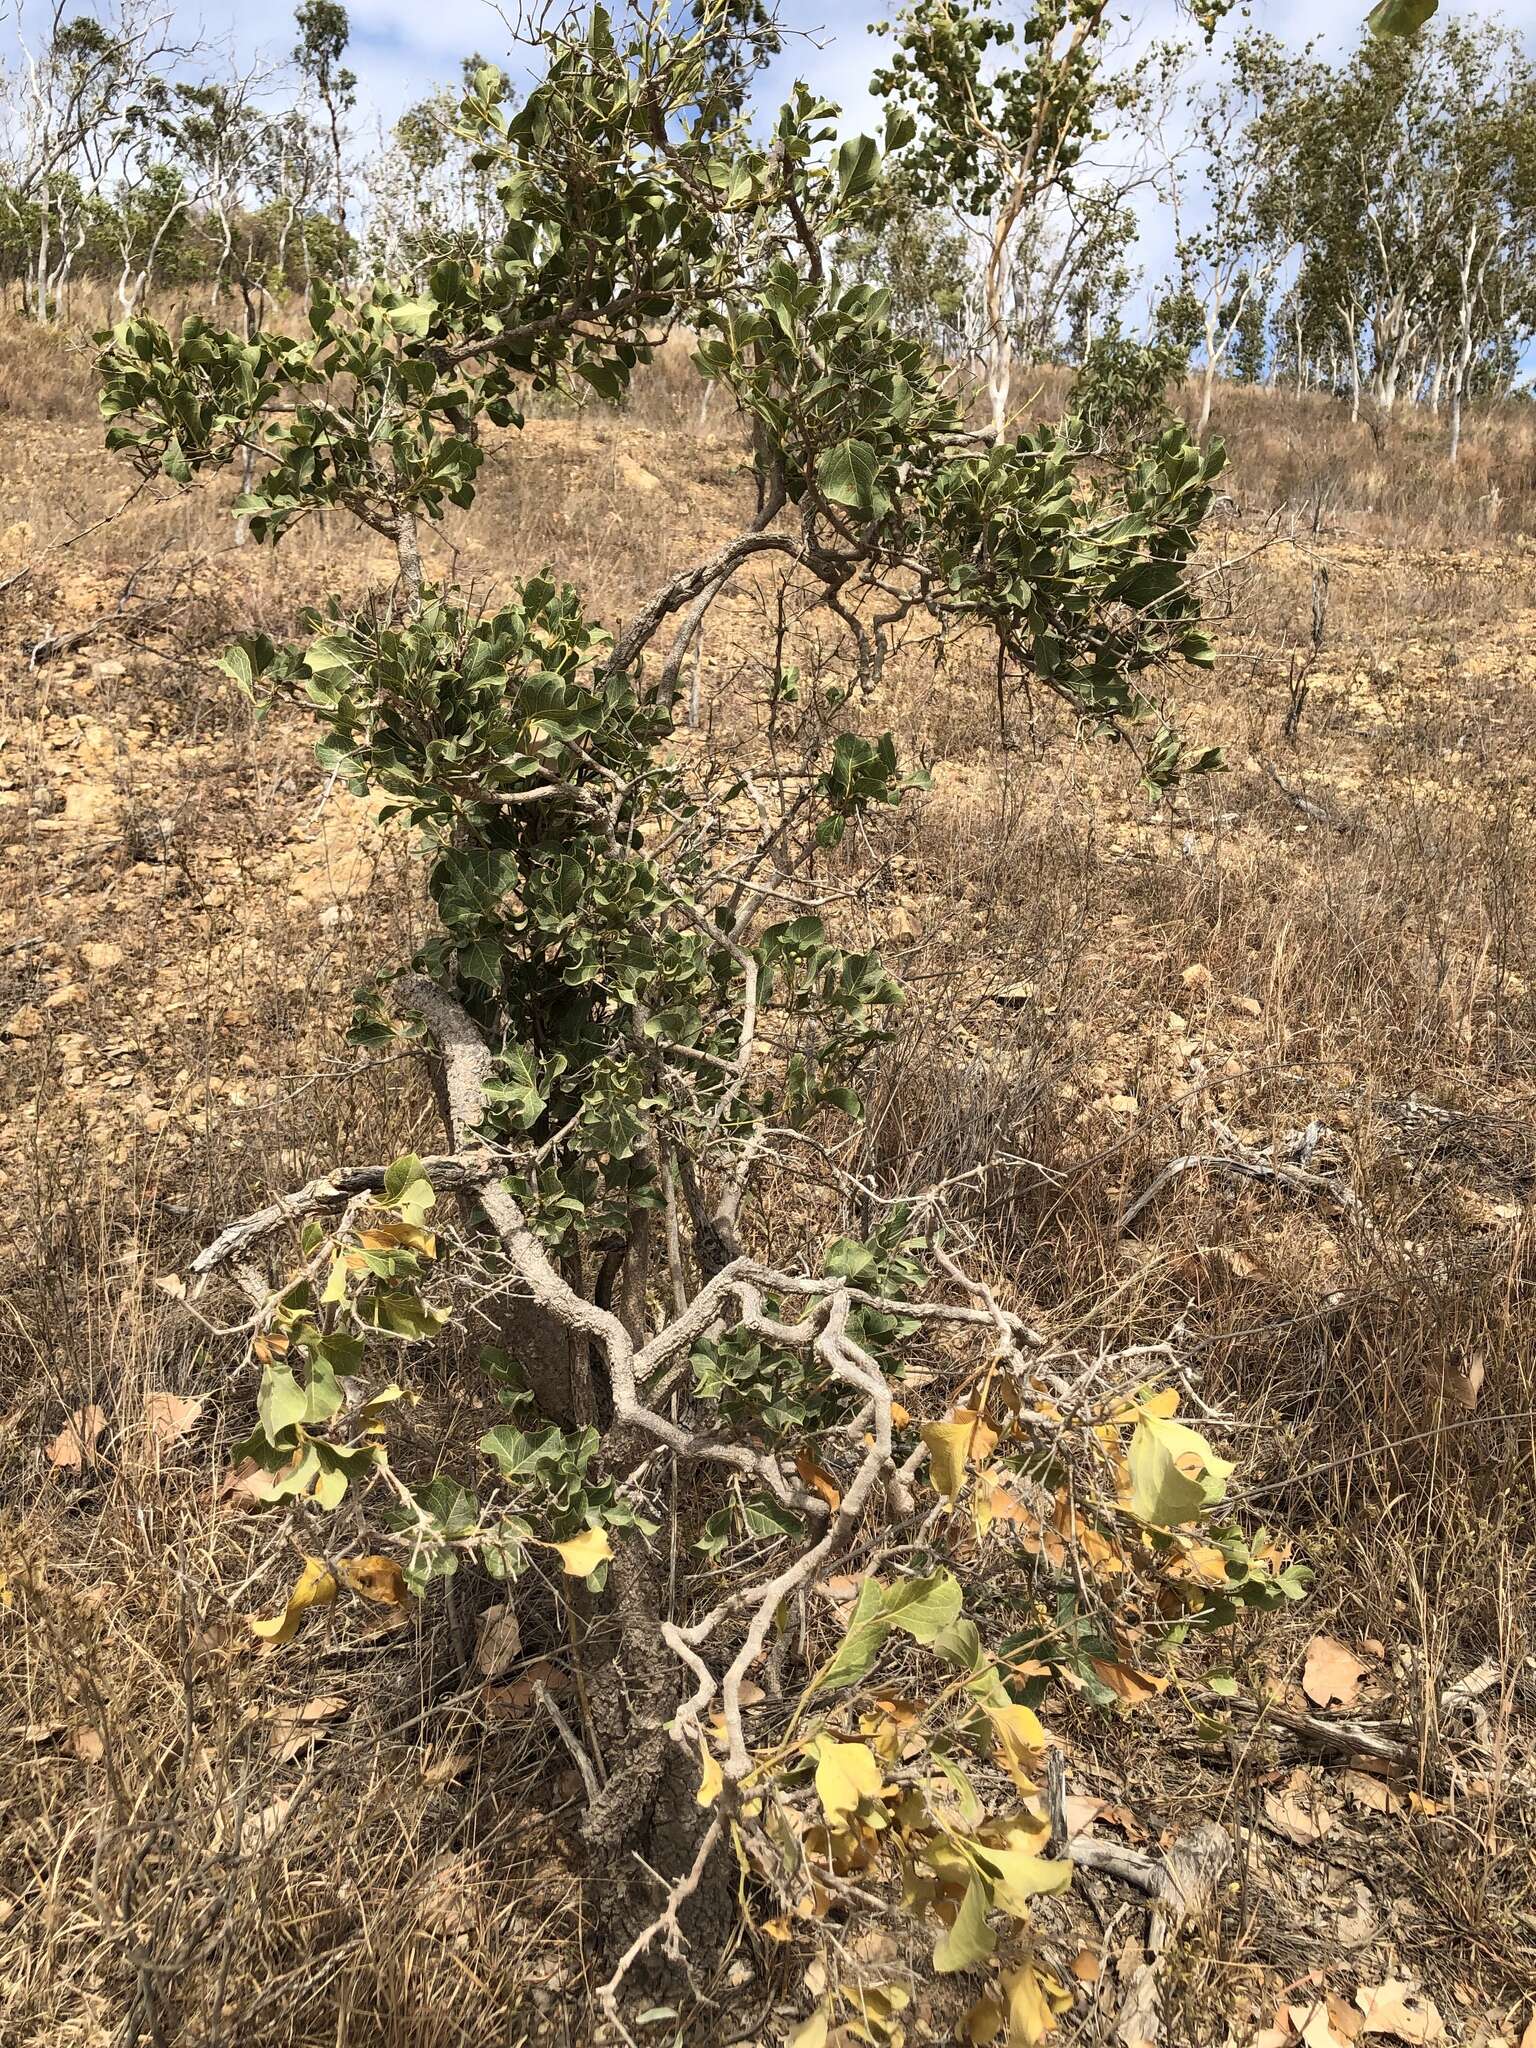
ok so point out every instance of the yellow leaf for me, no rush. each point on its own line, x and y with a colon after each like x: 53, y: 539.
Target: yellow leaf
x: 984, y: 2022
x: 846, y: 1773
x: 1164, y: 1403
x: 1034, y: 2000
x: 711, y: 1778
x: 395, y: 1237
x: 1022, y: 1877
x: 953, y: 1445
x: 811, y: 2033
x: 582, y: 1554
x: 378, y: 1579
x: 314, y: 1587
x: 1175, y: 1475
x: 1019, y: 1739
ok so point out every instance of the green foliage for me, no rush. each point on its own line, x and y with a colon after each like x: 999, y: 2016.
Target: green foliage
x: 644, y: 1020
x: 1120, y: 393
x: 976, y: 115
x: 918, y: 255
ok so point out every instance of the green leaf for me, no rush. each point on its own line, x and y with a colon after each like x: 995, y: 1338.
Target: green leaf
x: 858, y: 167
x: 900, y: 128
x: 248, y: 660
x: 1399, y: 17
x: 412, y: 317
x: 407, y: 1189
x: 867, y: 1630
x: 854, y: 1657
x: 281, y: 1403
x: 924, y: 1608
x: 401, y: 1315
x: 846, y: 475
x: 970, y: 1940
x: 323, y: 1396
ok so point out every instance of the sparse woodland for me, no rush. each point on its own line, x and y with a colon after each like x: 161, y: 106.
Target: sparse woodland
x: 769, y: 1047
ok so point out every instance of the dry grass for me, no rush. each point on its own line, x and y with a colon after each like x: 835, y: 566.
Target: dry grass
x: 1338, y: 930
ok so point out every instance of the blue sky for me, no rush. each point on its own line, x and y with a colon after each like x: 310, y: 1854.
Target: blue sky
x: 400, y: 48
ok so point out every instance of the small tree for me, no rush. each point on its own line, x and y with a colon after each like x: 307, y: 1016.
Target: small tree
x: 324, y: 31
x: 1241, y: 159
x: 1119, y: 397
x: 997, y: 140
x: 633, y: 1008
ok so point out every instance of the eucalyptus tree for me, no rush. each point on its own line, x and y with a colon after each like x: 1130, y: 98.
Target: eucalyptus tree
x: 1414, y: 206
x: 921, y: 256
x: 644, y: 1028
x: 1072, y: 271
x: 1487, y: 272
x: 1232, y: 187
x: 426, y: 199
x: 324, y: 32
x: 998, y: 139
x: 79, y: 99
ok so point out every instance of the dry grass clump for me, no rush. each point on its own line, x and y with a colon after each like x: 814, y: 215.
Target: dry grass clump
x: 1320, y: 960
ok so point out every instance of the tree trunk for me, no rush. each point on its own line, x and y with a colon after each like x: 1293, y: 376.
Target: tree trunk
x: 999, y: 346
x: 999, y: 382
x: 648, y: 1808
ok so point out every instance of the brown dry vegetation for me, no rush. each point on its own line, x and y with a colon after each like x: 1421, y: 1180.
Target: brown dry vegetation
x: 1337, y: 933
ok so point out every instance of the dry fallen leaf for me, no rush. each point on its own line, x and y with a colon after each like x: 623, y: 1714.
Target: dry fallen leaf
x: 1401, y: 2011
x: 1372, y: 1793
x: 1315, y: 2025
x: 442, y: 1770
x: 1082, y: 1812
x: 498, y: 1641
x: 294, y: 1728
x: 75, y: 1445
x: 812, y: 1475
x: 445, y: 1903
x: 505, y: 1702
x: 242, y: 1486
x: 1132, y: 1688
x: 170, y: 1416
x: 263, y: 1827
x: 1298, y: 1810
x: 1332, y: 1673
